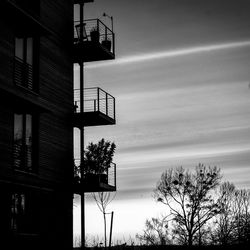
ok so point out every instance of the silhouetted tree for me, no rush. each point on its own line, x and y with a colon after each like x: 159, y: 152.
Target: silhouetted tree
x: 242, y: 216
x: 225, y: 223
x: 102, y: 200
x: 98, y: 156
x: 189, y: 197
x: 155, y: 232
x: 97, y: 159
x: 232, y: 225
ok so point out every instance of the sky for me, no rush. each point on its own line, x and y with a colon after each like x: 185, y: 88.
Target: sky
x: 181, y: 80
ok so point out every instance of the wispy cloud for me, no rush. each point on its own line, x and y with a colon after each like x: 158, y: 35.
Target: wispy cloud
x: 172, y: 53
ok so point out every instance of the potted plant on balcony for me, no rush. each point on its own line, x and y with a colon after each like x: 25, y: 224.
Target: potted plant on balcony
x: 107, y: 43
x: 95, y: 34
x: 97, y: 160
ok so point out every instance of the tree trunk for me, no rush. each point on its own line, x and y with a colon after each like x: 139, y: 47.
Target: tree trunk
x: 105, y: 233
x: 190, y: 239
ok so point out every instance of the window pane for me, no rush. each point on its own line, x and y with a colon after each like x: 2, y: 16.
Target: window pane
x: 23, y: 142
x: 29, y: 50
x: 18, y: 207
x: 21, y: 203
x: 18, y: 139
x: 19, y: 48
x: 28, y: 141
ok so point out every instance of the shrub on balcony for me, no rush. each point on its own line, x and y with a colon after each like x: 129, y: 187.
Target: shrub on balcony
x: 98, y: 156
x: 97, y: 160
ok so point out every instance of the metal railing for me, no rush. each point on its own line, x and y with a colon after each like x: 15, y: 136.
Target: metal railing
x: 96, y: 31
x: 107, y: 177
x: 23, y: 74
x: 95, y: 99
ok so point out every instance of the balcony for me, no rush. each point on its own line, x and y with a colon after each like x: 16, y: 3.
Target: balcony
x: 99, y: 108
x: 97, y: 43
x: 94, y: 182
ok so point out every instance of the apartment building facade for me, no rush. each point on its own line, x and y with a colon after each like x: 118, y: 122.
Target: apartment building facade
x: 38, y: 48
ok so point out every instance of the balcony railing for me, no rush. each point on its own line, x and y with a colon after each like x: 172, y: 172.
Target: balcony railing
x: 94, y: 181
x: 23, y: 74
x: 96, y: 43
x: 99, y: 106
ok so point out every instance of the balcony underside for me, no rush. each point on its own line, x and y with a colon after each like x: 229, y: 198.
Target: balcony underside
x: 89, y: 51
x: 91, y: 187
x: 83, y: 1
x: 87, y: 119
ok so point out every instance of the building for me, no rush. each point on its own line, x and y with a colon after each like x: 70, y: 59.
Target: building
x: 38, y: 47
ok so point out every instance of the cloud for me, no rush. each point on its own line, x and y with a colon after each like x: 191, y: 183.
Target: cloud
x: 172, y: 53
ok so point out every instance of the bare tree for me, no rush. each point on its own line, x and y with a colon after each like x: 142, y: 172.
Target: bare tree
x: 233, y: 223
x: 225, y: 222
x: 242, y: 215
x: 102, y: 200
x: 189, y: 198
x: 155, y: 232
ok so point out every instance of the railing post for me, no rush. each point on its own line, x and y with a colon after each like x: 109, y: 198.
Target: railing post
x: 114, y: 107
x: 106, y: 33
x: 98, y: 28
x: 108, y: 174
x: 98, y: 99
x: 107, y: 104
x: 113, y: 42
x: 115, y: 174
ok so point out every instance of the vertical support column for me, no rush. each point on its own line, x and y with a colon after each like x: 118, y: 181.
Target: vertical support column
x: 82, y: 131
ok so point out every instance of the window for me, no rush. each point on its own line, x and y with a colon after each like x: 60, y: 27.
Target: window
x: 18, y: 207
x: 24, y: 213
x: 24, y: 49
x: 24, y: 142
x: 24, y: 60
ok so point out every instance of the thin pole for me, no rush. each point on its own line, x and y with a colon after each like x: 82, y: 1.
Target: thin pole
x: 111, y: 228
x: 82, y: 131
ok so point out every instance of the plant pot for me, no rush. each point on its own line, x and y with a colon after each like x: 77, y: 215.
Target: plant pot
x: 96, y: 178
x: 104, y: 178
x: 107, y: 44
x: 91, y: 178
x: 94, y: 36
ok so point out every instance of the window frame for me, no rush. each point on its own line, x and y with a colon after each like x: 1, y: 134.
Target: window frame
x: 23, y: 165
x: 24, y: 212
x: 17, y: 210
x: 26, y: 68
